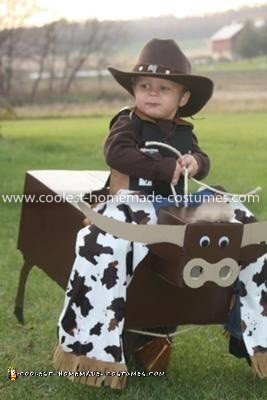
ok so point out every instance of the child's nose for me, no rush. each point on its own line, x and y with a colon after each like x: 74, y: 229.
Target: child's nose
x: 153, y: 91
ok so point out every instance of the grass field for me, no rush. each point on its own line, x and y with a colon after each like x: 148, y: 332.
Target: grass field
x: 200, y: 367
x: 234, y: 91
x: 242, y: 65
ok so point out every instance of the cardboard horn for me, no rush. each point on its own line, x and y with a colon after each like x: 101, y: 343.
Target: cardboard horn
x: 254, y: 233
x: 147, y: 234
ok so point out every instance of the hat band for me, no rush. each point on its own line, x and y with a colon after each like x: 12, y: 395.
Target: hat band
x: 157, y: 69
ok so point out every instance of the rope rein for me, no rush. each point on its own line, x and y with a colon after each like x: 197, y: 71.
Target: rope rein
x: 164, y: 335
x: 187, y: 177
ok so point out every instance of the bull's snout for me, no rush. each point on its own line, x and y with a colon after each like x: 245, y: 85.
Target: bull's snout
x: 198, y: 271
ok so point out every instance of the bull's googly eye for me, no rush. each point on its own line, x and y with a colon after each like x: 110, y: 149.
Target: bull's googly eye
x: 204, y: 241
x: 223, y: 241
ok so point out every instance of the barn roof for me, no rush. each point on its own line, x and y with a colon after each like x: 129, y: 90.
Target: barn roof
x: 227, y: 32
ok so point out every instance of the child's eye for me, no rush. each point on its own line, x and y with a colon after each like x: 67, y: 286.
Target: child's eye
x: 164, y: 88
x: 144, y: 85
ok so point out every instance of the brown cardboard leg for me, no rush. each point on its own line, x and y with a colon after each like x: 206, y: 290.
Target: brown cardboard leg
x: 155, y: 354
x: 259, y: 364
x: 19, y: 302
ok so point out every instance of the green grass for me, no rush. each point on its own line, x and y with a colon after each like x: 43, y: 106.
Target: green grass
x: 200, y: 367
x: 253, y: 64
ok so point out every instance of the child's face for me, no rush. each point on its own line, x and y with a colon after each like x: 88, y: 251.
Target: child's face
x: 159, y: 98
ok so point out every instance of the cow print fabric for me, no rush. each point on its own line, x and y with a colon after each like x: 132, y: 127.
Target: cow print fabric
x: 253, y: 293
x: 92, y: 318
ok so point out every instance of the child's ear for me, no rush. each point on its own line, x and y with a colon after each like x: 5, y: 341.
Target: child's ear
x: 184, y: 99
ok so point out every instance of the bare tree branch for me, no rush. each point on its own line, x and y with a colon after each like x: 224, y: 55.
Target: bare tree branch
x: 48, y: 41
x: 13, y: 15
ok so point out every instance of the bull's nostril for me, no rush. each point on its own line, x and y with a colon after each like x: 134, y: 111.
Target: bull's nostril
x: 196, y: 271
x: 225, y: 272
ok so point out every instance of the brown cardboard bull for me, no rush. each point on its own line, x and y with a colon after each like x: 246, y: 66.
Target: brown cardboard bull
x: 188, y: 275
x: 199, y: 261
x: 190, y: 250
x: 212, y: 251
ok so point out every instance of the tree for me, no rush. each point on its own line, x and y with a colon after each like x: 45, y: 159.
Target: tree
x: 41, y: 54
x: 13, y: 15
x: 93, y: 38
x: 249, y: 44
x: 55, y: 53
x: 263, y: 38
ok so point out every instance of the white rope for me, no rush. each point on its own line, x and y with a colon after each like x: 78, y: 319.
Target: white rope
x: 178, y: 153
x: 186, y: 177
x: 174, y: 195
x: 256, y: 190
x: 164, y: 335
x: 167, y: 146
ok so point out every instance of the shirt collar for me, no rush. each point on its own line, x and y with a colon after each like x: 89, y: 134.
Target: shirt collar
x: 162, y: 122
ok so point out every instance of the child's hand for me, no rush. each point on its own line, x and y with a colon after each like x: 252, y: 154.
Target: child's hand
x: 177, y: 173
x: 189, y: 161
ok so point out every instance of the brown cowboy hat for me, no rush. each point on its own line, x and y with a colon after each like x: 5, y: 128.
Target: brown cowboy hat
x: 164, y: 59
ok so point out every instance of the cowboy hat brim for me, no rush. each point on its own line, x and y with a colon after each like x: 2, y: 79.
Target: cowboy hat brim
x: 201, y: 87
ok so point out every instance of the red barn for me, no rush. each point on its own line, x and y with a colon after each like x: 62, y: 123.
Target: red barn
x: 224, y: 42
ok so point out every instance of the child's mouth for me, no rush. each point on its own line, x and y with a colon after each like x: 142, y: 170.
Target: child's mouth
x: 152, y: 105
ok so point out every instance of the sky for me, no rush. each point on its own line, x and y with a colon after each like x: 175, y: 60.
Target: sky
x: 125, y: 9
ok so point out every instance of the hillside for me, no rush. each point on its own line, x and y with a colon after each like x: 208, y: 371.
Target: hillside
x: 191, y: 27
x: 191, y: 32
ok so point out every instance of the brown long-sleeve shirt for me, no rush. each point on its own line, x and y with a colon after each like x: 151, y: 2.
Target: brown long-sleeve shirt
x: 122, y: 149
